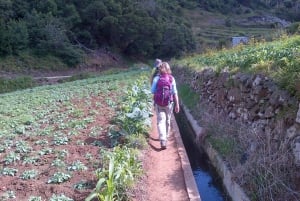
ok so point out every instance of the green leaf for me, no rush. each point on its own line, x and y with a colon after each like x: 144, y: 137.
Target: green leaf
x: 91, y: 196
x: 99, y: 184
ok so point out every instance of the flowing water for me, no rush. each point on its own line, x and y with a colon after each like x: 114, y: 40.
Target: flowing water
x: 208, y: 182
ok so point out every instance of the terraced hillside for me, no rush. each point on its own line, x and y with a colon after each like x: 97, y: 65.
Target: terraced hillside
x: 214, y: 30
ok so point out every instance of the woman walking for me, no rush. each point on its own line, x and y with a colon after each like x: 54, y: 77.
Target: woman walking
x: 165, y: 98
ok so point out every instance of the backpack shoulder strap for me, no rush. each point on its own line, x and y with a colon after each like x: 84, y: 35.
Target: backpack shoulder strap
x: 170, y: 79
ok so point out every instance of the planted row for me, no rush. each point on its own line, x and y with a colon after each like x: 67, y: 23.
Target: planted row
x: 52, y: 136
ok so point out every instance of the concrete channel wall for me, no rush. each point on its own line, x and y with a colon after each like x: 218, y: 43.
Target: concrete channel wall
x: 233, y: 189
x: 191, y: 186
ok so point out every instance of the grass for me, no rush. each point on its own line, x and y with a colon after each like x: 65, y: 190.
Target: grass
x: 224, y: 146
x: 188, y: 96
x: 279, y: 60
x: 25, y: 61
x: 22, y: 82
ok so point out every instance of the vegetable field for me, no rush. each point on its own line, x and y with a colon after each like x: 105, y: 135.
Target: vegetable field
x: 58, y: 141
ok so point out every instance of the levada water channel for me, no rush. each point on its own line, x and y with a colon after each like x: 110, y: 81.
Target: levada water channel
x: 209, y: 184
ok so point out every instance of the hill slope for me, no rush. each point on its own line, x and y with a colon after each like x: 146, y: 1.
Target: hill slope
x: 215, y: 30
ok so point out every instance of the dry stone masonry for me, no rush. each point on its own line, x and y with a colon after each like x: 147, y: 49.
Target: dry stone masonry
x: 254, y: 100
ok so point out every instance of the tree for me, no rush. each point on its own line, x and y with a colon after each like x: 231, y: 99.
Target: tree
x: 4, y: 42
x: 70, y: 16
x: 17, y: 36
x: 13, y: 37
x: 46, y: 7
x: 20, y: 8
x: 141, y: 35
x: 6, y: 11
x: 176, y: 40
x: 49, y: 36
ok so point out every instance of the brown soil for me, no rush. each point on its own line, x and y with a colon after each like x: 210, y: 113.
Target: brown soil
x: 164, y: 178
x: 39, y: 185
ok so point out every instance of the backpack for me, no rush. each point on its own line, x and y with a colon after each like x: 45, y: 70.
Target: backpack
x: 163, y: 95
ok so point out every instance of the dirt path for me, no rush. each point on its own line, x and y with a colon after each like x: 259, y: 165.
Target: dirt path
x: 165, y: 177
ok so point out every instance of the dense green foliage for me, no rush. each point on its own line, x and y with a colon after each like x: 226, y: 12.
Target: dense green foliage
x: 278, y: 59
x: 148, y: 28
x: 122, y: 166
x: 9, y: 85
x: 64, y: 29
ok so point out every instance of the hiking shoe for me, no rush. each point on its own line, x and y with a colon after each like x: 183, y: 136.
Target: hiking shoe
x: 163, y: 144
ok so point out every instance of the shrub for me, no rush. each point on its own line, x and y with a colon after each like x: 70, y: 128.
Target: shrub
x: 9, y: 85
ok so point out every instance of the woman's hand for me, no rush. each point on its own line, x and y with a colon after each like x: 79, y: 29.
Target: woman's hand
x: 176, y: 103
x: 177, y: 108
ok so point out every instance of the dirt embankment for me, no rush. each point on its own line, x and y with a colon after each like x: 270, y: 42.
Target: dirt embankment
x: 94, y: 63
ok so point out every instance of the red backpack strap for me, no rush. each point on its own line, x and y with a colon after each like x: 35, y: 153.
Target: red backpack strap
x: 171, y: 78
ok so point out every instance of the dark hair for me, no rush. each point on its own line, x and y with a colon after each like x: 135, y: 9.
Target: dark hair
x: 157, y: 63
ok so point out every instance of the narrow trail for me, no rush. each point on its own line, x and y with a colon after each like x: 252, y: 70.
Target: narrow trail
x: 166, y: 177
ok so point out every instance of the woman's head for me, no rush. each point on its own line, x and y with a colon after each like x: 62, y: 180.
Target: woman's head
x: 164, y: 68
x: 157, y: 63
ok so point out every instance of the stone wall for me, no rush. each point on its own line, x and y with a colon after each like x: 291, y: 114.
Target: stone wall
x: 253, y: 100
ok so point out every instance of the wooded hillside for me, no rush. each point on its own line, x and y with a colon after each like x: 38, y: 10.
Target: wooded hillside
x: 64, y: 29
x: 142, y: 29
